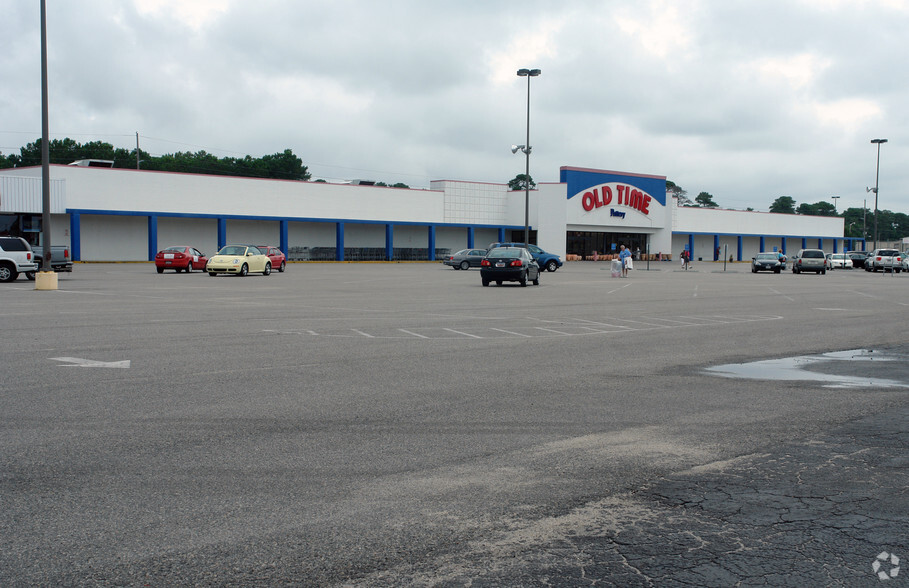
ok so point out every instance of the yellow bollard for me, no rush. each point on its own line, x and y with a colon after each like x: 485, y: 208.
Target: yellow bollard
x: 46, y: 281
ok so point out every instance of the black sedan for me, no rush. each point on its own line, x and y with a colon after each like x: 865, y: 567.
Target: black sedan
x: 465, y: 258
x: 767, y: 262
x: 858, y: 258
x: 509, y: 264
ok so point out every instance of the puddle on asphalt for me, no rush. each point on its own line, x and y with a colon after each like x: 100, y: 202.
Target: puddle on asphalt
x: 803, y: 368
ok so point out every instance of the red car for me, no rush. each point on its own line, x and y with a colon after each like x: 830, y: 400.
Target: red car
x: 180, y: 258
x: 278, y: 260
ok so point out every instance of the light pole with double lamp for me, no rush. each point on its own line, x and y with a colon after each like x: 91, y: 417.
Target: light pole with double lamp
x: 528, y: 73
x: 877, y: 172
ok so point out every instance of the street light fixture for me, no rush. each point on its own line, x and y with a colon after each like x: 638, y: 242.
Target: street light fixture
x: 876, y: 178
x: 528, y: 73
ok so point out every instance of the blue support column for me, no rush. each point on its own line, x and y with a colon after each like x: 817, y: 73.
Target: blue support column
x: 739, y: 246
x: 716, y: 247
x: 75, y: 236
x: 804, y: 243
x: 470, y: 244
x: 501, y: 235
x: 339, y: 242
x: 222, y: 232
x: 834, y: 245
x: 820, y: 243
x: 432, y: 243
x: 763, y: 247
x: 783, y: 245
x: 152, y: 237
x: 389, y: 242
x: 283, y: 238
x: 691, y: 246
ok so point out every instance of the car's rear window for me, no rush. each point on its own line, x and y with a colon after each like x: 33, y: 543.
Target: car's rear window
x: 13, y: 244
x: 815, y: 253
x: 772, y: 256
x: 505, y: 252
x: 889, y: 252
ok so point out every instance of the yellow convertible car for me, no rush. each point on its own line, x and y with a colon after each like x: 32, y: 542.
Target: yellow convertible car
x: 238, y: 259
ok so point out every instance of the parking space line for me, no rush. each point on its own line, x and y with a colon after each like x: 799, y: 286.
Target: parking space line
x: 462, y: 333
x: 510, y: 332
x: 414, y: 334
x: 364, y: 334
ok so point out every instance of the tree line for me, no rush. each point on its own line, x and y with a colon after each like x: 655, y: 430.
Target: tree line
x: 279, y: 166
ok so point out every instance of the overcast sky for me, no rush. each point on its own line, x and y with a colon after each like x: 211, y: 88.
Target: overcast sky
x: 746, y: 100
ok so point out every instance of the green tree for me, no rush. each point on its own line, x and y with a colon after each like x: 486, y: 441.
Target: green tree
x: 706, y: 200
x: 520, y: 182
x: 673, y: 189
x: 283, y: 166
x: 783, y: 204
x: 821, y: 208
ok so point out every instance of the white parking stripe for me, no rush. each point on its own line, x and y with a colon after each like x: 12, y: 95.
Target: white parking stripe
x: 414, y: 334
x: 510, y: 332
x: 463, y: 333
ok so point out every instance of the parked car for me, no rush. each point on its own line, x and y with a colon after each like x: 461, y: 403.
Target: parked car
x: 766, y: 262
x: 180, y: 258
x: 548, y: 261
x: 905, y: 257
x: 884, y: 259
x: 465, y: 258
x: 16, y: 258
x: 275, y: 255
x: 809, y: 260
x: 239, y: 260
x: 857, y: 257
x: 839, y: 261
x: 509, y: 264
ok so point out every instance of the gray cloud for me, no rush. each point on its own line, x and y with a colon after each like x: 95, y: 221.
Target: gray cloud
x: 746, y: 100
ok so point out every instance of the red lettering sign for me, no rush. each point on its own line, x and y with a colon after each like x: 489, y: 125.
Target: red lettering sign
x: 627, y: 196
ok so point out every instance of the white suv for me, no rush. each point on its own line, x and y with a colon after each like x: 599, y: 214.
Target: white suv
x: 15, y: 258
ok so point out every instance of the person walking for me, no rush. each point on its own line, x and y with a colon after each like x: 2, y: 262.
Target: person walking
x: 686, y: 258
x: 625, y: 257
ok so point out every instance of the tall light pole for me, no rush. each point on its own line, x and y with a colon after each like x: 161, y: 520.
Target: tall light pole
x: 877, y: 173
x: 528, y: 73
x: 45, y: 149
x: 835, y: 198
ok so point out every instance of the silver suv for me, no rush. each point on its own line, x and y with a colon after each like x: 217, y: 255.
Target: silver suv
x: 889, y: 260
x: 809, y: 260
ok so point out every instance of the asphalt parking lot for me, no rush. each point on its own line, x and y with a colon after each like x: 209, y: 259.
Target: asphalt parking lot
x: 400, y: 424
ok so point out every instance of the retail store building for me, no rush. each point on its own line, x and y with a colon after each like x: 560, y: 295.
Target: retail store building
x: 108, y: 214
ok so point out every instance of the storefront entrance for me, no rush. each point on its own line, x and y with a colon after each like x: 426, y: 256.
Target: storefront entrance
x: 584, y: 243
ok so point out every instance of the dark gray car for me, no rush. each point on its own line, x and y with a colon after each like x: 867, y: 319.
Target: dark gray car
x: 465, y: 258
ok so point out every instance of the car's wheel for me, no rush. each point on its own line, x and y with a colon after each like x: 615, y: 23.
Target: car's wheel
x: 244, y: 270
x: 212, y: 274
x: 498, y: 282
x: 536, y: 281
x: 189, y: 268
x: 465, y: 265
x: 523, y: 280
x: 160, y: 270
x: 551, y: 266
x: 753, y: 270
x: 267, y: 269
x: 281, y: 269
x: 776, y: 271
x: 7, y: 273
x: 485, y: 282
x: 823, y: 272
x: 30, y: 276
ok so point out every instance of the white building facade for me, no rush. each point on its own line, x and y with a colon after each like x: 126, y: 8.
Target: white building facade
x: 107, y: 214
